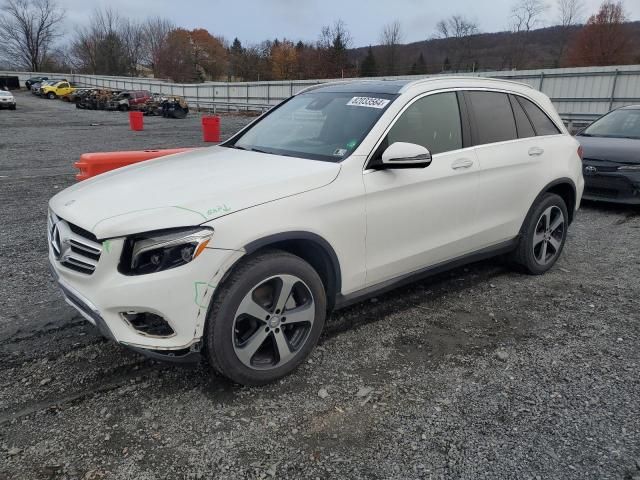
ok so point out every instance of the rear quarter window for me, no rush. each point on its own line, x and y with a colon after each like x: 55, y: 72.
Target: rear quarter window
x: 525, y: 129
x: 541, y: 122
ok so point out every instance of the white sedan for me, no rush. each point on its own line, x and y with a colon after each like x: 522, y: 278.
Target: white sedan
x: 7, y: 100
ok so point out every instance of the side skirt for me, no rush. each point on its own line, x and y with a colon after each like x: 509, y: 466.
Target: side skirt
x: 343, y: 301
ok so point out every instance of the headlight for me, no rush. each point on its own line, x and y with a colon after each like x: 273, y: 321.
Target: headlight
x: 629, y: 168
x: 162, y: 250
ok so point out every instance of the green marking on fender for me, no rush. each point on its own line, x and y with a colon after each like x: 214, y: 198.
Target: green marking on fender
x: 189, y: 210
x: 200, y: 290
x: 106, y: 245
x: 220, y: 208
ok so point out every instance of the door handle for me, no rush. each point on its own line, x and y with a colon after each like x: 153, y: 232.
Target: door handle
x: 461, y: 163
x: 535, y: 151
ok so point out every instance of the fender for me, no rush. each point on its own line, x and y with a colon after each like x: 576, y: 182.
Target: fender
x: 292, y: 236
x: 545, y: 189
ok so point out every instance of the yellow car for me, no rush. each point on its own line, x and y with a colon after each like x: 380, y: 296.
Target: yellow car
x: 57, y: 90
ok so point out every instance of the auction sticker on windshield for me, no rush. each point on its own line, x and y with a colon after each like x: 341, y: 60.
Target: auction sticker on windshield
x: 371, y: 102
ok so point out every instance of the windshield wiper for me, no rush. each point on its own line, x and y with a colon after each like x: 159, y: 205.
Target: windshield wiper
x: 238, y: 147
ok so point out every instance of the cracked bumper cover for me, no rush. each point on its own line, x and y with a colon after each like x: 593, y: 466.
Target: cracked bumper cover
x: 180, y: 295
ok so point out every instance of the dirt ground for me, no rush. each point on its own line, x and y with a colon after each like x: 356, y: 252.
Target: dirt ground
x: 477, y: 373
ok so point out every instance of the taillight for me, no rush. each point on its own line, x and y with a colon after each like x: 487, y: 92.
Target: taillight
x: 580, y: 152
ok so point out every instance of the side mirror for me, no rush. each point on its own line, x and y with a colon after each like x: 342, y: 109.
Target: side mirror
x: 405, y: 155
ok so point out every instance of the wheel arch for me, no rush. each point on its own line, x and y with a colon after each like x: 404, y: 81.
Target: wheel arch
x: 313, y: 249
x: 566, y: 189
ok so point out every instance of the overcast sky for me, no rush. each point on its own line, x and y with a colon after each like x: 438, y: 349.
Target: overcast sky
x: 255, y: 20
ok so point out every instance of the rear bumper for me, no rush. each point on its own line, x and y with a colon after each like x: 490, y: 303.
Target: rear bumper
x: 617, y: 187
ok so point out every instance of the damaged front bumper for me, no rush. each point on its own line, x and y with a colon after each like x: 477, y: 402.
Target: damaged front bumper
x: 108, y: 299
x: 188, y: 354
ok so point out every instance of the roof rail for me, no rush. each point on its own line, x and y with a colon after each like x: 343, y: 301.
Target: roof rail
x: 335, y: 82
x: 459, y: 77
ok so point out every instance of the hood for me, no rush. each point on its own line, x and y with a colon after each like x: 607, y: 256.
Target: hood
x: 186, y: 189
x: 619, y: 150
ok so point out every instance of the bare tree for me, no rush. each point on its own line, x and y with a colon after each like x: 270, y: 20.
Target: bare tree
x: 458, y: 31
x: 156, y: 31
x: 133, y: 41
x: 27, y: 31
x: 570, y: 12
x: 569, y: 15
x: 101, y: 47
x: 526, y: 15
x: 391, y: 37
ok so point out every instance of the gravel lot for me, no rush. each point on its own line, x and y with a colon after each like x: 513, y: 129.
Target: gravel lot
x: 477, y: 373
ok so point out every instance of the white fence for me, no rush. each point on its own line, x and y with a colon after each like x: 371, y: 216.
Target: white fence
x: 579, y: 94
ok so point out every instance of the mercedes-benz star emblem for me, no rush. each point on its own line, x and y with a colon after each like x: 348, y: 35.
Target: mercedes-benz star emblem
x: 60, y: 240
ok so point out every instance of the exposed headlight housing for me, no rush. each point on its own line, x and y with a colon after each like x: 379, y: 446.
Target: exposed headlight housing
x: 162, y: 250
x: 629, y: 168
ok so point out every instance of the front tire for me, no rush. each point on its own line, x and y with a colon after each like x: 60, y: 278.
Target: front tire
x: 543, y: 235
x: 51, y: 96
x: 265, y: 319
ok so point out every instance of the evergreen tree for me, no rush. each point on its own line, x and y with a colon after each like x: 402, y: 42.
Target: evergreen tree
x: 368, y: 67
x: 421, y: 65
x: 446, y: 66
x: 236, y: 57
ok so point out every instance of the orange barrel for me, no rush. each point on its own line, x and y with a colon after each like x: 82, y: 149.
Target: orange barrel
x: 136, y: 121
x: 211, y: 129
x: 92, y: 164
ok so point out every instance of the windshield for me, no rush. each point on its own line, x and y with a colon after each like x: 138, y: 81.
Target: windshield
x: 623, y: 123
x: 5, y: 94
x: 316, y: 125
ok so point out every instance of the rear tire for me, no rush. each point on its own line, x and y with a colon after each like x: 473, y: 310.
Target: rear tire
x: 265, y: 319
x: 543, y: 235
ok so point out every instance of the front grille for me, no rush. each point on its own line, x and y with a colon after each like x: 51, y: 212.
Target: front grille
x: 74, y: 247
x: 602, y: 165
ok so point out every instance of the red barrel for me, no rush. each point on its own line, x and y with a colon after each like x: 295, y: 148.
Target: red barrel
x: 136, y: 121
x: 211, y: 129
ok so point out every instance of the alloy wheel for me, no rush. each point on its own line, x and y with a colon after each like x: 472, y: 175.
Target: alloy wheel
x: 548, y: 235
x: 273, y: 322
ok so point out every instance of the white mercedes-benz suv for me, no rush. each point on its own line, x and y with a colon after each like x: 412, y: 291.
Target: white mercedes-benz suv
x: 239, y: 252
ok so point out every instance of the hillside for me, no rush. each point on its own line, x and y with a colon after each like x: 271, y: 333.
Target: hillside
x: 542, y: 48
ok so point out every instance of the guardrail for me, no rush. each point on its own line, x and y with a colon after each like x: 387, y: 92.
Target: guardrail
x: 579, y: 94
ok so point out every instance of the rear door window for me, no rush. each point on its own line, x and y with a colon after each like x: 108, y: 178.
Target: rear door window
x: 541, y: 122
x: 525, y: 130
x: 493, y: 117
